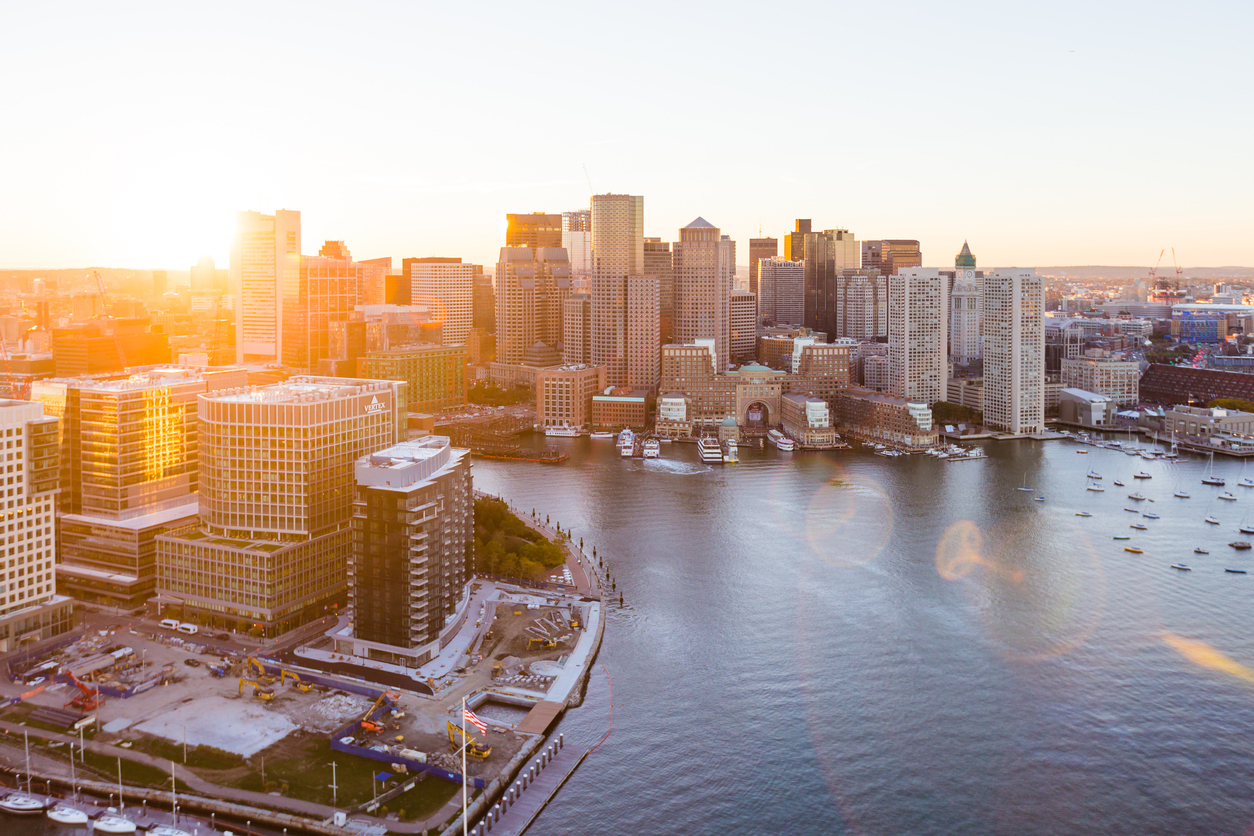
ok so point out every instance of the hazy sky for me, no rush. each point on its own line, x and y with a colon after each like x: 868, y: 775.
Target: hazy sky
x: 1046, y: 133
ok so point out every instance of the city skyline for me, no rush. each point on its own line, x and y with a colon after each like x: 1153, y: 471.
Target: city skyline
x: 1018, y: 129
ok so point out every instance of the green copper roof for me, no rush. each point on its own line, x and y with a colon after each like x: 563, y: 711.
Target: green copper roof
x: 964, y: 258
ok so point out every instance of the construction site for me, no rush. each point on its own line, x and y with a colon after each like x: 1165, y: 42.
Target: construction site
x: 291, y: 728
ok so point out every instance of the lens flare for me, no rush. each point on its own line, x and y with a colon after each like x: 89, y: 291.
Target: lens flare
x: 849, y: 520
x: 1205, y: 656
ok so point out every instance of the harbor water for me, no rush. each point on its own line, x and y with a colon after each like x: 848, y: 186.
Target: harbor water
x: 839, y: 643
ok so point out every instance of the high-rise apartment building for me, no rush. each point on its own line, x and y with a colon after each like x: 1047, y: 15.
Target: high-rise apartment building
x: 782, y: 291
x: 577, y: 239
x: 861, y: 305
x: 30, y: 608
x: 727, y: 261
x: 577, y: 330
x: 483, y: 303
x: 827, y: 254
x: 643, y: 334
x: 1014, y: 351
x: 742, y: 326
x: 795, y: 241
x: 325, y: 292
x: 889, y: 255
x: 204, y: 275
x: 760, y: 248
x: 702, y: 288
x: 916, y: 334
x: 535, y: 230
x: 412, y: 548
x: 657, y: 263
x: 265, y: 260
x: 617, y: 252
x: 448, y: 285
x: 532, y: 285
x: 966, y: 309
x: 276, y: 482
x: 129, y: 471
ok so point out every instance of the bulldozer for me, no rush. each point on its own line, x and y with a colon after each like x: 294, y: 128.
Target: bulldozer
x: 260, y: 691
x: 544, y: 644
x: 473, y: 747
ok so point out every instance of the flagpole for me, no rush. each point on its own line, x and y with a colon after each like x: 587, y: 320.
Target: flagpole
x: 465, y: 824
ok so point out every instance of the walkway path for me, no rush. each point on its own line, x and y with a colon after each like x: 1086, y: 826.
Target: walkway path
x: 519, y: 815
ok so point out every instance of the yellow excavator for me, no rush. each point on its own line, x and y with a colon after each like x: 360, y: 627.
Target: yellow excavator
x: 262, y: 676
x: 301, y: 685
x: 260, y: 691
x: 544, y: 644
x: 473, y: 747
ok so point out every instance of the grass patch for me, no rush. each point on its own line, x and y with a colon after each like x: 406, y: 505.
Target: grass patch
x: 198, y: 757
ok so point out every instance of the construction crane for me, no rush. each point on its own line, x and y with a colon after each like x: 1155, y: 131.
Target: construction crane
x: 1179, y: 269
x: 1153, y: 276
x: 473, y: 747
x: 259, y: 691
x: 87, y: 698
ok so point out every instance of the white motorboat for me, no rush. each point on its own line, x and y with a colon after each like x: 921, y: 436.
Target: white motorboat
x: 782, y: 442
x: 652, y: 448
x: 20, y: 803
x: 1141, y: 475
x: 113, y: 822
x: 1228, y: 496
x: 709, y: 450
x: 601, y: 435
x: 1135, y: 496
x: 731, y: 454
x: 63, y: 813
x: 562, y: 431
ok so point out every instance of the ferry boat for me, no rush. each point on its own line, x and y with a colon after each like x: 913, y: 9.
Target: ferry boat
x: 652, y: 448
x: 709, y: 450
x: 730, y: 453
x: 626, y: 442
x: 782, y: 442
x: 563, y: 431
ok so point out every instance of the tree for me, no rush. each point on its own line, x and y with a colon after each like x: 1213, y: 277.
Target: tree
x: 1237, y: 404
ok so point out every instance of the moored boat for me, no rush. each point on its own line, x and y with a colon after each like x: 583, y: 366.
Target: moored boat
x: 1140, y: 527
x: 1200, y: 550
x: 20, y: 803
x: 731, y: 454
x: 781, y: 442
x: 1211, y: 520
x: 63, y: 813
x: 1236, y: 571
x: 1083, y: 514
x: 708, y: 449
x: 1133, y: 549
x: 1227, y: 496
x: 562, y: 431
x: 1135, y: 496
x: 601, y: 435
x: 1183, y: 567
x: 652, y: 448
x: 1122, y: 537
x: 1240, y: 545
x: 113, y: 822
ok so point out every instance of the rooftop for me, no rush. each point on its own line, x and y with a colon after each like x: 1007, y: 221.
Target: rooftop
x: 300, y: 389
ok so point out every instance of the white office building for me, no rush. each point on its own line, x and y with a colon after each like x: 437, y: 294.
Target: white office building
x: 916, y: 334
x: 1014, y: 351
x: 265, y: 258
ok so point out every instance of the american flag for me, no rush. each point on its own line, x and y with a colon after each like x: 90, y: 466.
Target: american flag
x: 471, y: 718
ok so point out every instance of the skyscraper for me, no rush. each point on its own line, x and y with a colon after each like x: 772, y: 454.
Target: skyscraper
x: 203, y: 274
x: 577, y: 330
x: 782, y: 295
x: 413, y: 548
x: 534, y: 230
x: 861, y: 305
x: 643, y: 343
x: 827, y: 253
x: 727, y: 261
x: 577, y: 239
x: 30, y: 609
x: 532, y: 284
x: 325, y: 292
x: 1014, y: 351
x: 965, y: 310
x: 617, y: 252
x: 265, y: 259
x: 447, y: 284
x: 742, y: 325
x: 795, y: 241
x: 657, y: 263
x: 916, y: 334
x: 129, y: 471
x: 760, y: 248
x: 891, y: 254
x: 276, y: 491
x: 702, y: 289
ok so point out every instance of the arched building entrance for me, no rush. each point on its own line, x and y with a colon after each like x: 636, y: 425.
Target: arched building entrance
x: 757, y: 416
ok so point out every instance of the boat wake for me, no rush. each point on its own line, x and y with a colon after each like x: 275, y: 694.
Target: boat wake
x: 677, y: 468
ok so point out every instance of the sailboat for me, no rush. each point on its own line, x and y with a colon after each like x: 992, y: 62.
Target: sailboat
x: 115, y: 821
x: 1092, y: 474
x: 18, y: 802
x: 1245, y: 481
x: 170, y: 829
x: 1180, y: 492
x: 1209, y: 478
x: 1244, y: 528
x: 1095, y: 487
x: 62, y: 812
x: 1025, y: 484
